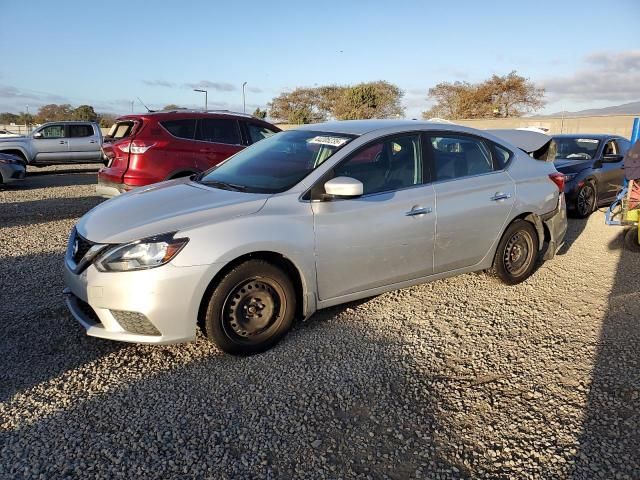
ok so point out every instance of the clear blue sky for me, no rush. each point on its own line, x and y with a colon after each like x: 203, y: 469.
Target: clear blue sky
x: 585, y: 53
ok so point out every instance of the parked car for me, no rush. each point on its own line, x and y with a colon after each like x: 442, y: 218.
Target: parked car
x: 7, y: 134
x: 12, y: 168
x: 593, y: 169
x: 306, y: 219
x: 149, y: 148
x: 57, y: 143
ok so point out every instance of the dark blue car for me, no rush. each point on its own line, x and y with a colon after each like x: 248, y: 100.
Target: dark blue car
x: 593, y: 169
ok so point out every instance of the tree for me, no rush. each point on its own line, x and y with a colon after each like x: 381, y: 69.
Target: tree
x: 85, y: 113
x: 503, y: 96
x: 25, y: 119
x: 105, y: 120
x: 54, y: 113
x: 302, y: 105
x: 172, y: 106
x: 366, y: 100
x: 369, y: 100
x: 262, y: 114
x: 8, y: 117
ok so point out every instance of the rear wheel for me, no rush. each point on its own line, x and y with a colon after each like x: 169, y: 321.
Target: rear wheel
x: 516, y: 254
x: 586, y: 200
x: 251, y: 308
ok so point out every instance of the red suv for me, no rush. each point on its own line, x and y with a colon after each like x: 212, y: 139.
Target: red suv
x: 149, y: 148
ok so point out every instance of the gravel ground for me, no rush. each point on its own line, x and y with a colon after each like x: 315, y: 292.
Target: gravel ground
x: 458, y: 378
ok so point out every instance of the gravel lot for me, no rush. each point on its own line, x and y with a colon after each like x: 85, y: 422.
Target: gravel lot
x: 458, y: 378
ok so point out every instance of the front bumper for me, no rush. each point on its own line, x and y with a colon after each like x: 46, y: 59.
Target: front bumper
x: 12, y: 172
x: 158, y: 306
x: 556, y: 224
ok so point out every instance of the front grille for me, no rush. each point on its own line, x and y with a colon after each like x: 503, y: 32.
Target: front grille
x: 135, y: 322
x: 81, y: 247
x: 87, y: 311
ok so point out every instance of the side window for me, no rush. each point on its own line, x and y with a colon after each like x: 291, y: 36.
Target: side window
x: 258, y: 132
x: 610, y: 148
x: 501, y: 156
x: 391, y: 164
x: 180, y: 128
x: 218, y: 130
x: 53, y: 131
x: 76, y: 131
x: 459, y: 156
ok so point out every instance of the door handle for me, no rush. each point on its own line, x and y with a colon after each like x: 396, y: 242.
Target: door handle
x: 92, y: 141
x: 418, y: 211
x: 62, y: 142
x: 500, y: 196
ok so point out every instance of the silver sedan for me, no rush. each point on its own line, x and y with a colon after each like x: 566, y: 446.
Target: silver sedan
x: 306, y: 219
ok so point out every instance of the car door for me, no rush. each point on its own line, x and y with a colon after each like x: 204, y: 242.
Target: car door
x: 50, y: 144
x: 610, y: 174
x: 216, y: 140
x: 386, y: 235
x: 84, y: 143
x: 474, y: 196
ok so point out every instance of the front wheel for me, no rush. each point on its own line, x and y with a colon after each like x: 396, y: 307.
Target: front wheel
x: 516, y: 254
x: 586, y: 200
x: 251, y: 308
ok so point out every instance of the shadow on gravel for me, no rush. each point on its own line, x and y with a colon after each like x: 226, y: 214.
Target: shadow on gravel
x: 610, y: 440
x: 39, y: 339
x: 315, y: 407
x: 575, y: 227
x: 53, y: 178
x: 45, y: 210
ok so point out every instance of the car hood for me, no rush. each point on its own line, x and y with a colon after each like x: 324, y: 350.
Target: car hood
x: 11, y: 139
x: 571, y: 166
x: 164, y: 207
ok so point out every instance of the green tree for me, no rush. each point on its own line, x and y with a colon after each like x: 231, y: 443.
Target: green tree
x: 54, y: 113
x: 172, y: 106
x: 369, y: 100
x: 86, y: 113
x: 25, y: 119
x: 105, y: 120
x: 8, y: 117
x: 262, y: 114
x: 499, y: 96
x: 302, y: 105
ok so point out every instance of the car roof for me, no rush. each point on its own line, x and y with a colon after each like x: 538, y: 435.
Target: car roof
x: 591, y: 136
x: 360, y: 127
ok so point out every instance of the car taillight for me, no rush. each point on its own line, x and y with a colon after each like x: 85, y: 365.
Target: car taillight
x: 136, y: 146
x: 558, y: 179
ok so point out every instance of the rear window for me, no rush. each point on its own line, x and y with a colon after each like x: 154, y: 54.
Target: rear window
x: 180, y: 128
x: 218, y: 130
x: 76, y: 131
x: 121, y: 130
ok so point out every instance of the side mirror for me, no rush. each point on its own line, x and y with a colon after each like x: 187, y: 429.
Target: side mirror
x: 612, y: 158
x: 344, y: 187
x: 37, y: 135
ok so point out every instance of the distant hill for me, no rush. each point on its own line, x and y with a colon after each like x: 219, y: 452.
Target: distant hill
x: 632, y: 108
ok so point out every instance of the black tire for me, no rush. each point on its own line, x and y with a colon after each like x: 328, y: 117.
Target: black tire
x: 516, y: 254
x: 586, y: 200
x: 631, y: 240
x: 234, y: 316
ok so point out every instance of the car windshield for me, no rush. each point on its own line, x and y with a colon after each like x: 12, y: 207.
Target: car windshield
x: 573, y: 148
x: 277, y: 163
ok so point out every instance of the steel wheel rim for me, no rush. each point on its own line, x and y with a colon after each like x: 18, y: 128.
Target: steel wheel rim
x: 253, y: 309
x: 586, y: 197
x: 518, y: 253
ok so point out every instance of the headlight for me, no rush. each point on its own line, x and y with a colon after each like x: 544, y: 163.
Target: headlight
x: 569, y: 176
x: 142, y: 254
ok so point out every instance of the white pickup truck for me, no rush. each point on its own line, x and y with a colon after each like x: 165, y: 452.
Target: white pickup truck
x: 57, y: 143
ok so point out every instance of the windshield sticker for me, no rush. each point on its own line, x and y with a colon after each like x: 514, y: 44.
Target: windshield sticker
x: 586, y: 140
x: 331, y: 141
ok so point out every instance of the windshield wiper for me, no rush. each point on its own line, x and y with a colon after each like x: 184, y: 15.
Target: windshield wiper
x: 224, y: 185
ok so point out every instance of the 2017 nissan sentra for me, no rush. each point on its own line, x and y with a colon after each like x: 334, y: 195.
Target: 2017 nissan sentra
x: 307, y: 219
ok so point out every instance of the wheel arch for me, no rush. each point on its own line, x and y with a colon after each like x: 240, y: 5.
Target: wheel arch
x: 17, y: 151
x: 271, y: 257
